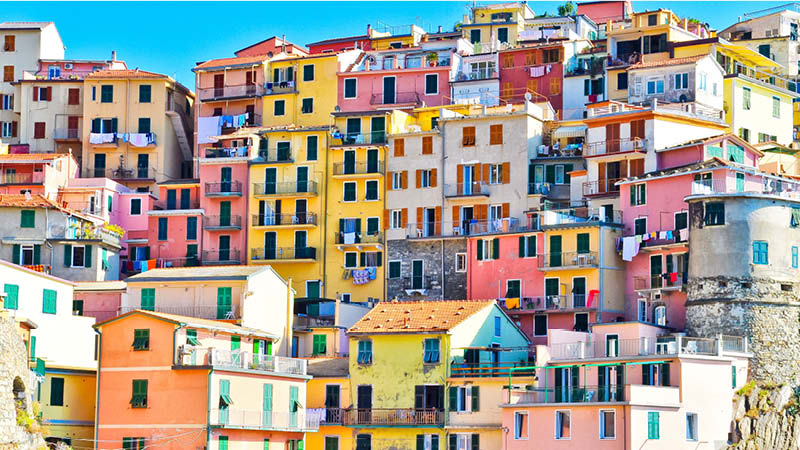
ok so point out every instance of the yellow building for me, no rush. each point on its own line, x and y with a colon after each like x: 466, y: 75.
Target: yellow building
x: 329, y: 390
x: 499, y: 23
x: 138, y: 127
x: 67, y: 397
x: 384, y: 40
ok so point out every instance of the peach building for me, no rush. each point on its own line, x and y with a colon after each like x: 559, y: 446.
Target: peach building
x: 627, y: 385
x: 36, y: 173
x: 232, y: 391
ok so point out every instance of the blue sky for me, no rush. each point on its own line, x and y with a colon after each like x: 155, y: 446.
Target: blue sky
x: 170, y: 37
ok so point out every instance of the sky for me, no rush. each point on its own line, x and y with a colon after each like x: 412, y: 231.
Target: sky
x: 171, y: 37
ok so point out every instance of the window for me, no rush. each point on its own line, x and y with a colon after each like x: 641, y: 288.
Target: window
x: 622, y: 80
x: 141, y: 339
x: 427, y: 145
x: 540, y: 325
x: 431, y: 353
x: 8, y: 73
x: 319, y: 344
x: 746, y: 98
x: 145, y: 93
x: 308, y: 72
x: 148, y: 299
x: 308, y: 106
x: 495, y: 174
x: 163, y: 223
x: 681, y: 81
x: 427, y: 442
x: 372, y: 190
x: 487, y: 249
x: 136, y: 206
x: 350, y: 87
x: 464, y: 398
x: 39, y: 130
x: 396, y: 219
x: 527, y: 246
x: 654, y: 43
x: 394, y: 269
x: 133, y: 443
x: 12, y: 296
x: 715, y: 214
x: 555, y: 86
x: 702, y: 82
x: 365, y: 352
x: 363, y: 442
x: 744, y: 133
x: 638, y: 194
x: 144, y: 125
x: 652, y: 20
x: 10, y: 43
x: 760, y: 252
x: 191, y: 228
x: 520, y: 425
x: 474, y: 36
x: 139, y: 397
x: 431, y: 84
x: 279, y: 107
x: 608, y: 427
x: 56, y: 391
x: 106, y: 93
x: 461, y: 262
x: 653, y: 426
x: 776, y: 107
x: 49, y: 301
x: 497, y: 326
x: 691, y: 426
x: 468, y: 136
x: 7, y: 103
x: 312, y: 144
x: 563, y: 425
x: 331, y: 443
x: 349, y: 191
x: 513, y: 288
x: 424, y: 178
x: 79, y: 257
x: 655, y: 86
x: 397, y: 180
x: 794, y: 257
x: 28, y: 219
x: 496, y: 134
x: 350, y: 260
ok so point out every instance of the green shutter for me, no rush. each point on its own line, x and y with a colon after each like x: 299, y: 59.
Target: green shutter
x: 67, y: 255
x: 114, y: 125
x: 223, y: 443
x: 583, y: 243
x: 567, y: 170
x: 33, y: 349
x: 87, y: 256
x: 453, y: 442
x: 267, y: 405
x: 479, y: 249
x: 476, y: 442
x: 223, y: 302
x: 522, y: 246
x: 476, y: 398
x: 56, y: 392
x: 27, y: 219
x: 49, y: 301
x: 293, y: 406
x: 452, y: 395
x: 148, y: 301
x: 37, y: 254
x: 266, y: 444
x: 421, y: 441
x: 665, y: 374
x: 496, y: 248
x: 15, y: 257
x: 236, y: 343
x: 633, y: 194
x: 12, y: 296
x: 550, y: 174
x: 531, y: 251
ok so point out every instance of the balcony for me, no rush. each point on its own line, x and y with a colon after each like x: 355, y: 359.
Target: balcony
x: 87, y: 208
x: 230, y: 92
x: 416, y: 283
x: 728, y: 185
x: 286, y: 188
x: 611, y: 393
x: 299, y: 422
x: 357, y: 238
x: 211, y: 312
x: 397, y: 417
x: 223, y: 188
x: 615, y: 146
x: 480, y: 74
x: 466, y: 190
x: 121, y: 173
x: 67, y: 134
x: 303, y: 254
x: 399, y: 98
x: 668, y: 345
x: 103, y: 139
x: 189, y: 261
x: 601, y: 187
x: 671, y: 238
x: 274, y: 156
x: 221, y: 257
x: 22, y: 178
x: 568, y: 260
x: 489, y: 370
x: 473, y: 227
x: 359, y: 138
x: 672, y: 282
x: 161, y: 205
x: 232, y: 222
x: 285, y: 219
x: 582, y: 214
x: 280, y: 87
x: 344, y: 170
x: 226, y: 152
x: 242, y: 360
x: 549, y: 303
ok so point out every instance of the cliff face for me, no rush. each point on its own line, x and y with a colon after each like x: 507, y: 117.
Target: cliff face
x: 766, y: 417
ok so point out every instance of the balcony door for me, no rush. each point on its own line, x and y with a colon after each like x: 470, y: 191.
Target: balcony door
x: 364, y: 404
x: 469, y: 173
x: 225, y: 176
x: 353, y: 130
x: 142, y: 165
x: 186, y: 196
x: 332, y: 403
x: 555, y: 251
x: 467, y: 212
x: 372, y: 160
x: 429, y: 222
x: 302, y: 179
x: 99, y: 165
x: 378, y: 127
x: 270, y: 178
x: 270, y: 245
x: 72, y: 126
x: 224, y: 248
x: 655, y: 271
x: 610, y: 383
x: 566, y: 381
x: 389, y: 94
x: 219, y: 85
x: 349, y: 162
x: 417, y: 274
x: 579, y: 292
x: 300, y: 244
x: 429, y: 397
x: 224, y: 214
x: 301, y: 210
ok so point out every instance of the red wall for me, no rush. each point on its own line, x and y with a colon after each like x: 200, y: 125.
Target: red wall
x: 519, y: 74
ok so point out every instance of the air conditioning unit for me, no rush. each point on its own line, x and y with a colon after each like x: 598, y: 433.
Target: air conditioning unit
x: 68, y: 66
x: 656, y: 296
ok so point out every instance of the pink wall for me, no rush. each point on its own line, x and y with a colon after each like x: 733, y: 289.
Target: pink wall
x: 102, y: 305
x: 346, y: 43
x: 585, y: 422
x: 600, y: 12
x: 520, y: 73
x: 210, y: 173
x: 487, y: 279
x: 698, y: 153
x: 407, y: 80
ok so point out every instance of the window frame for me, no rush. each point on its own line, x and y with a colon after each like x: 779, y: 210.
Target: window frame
x: 139, y: 201
x: 367, y: 189
x: 346, y: 266
x: 275, y: 104
x: 694, y: 427
x: 747, y: 98
x: 461, y: 262
x: 518, y: 434
x: 355, y: 88
x: 344, y: 191
x: 367, y: 352
x: 556, y: 430
x: 603, y: 427
x: 305, y: 72
x: 655, y: 81
x: 303, y: 105
x: 776, y: 107
x: 392, y: 263
x: 427, y: 75
x: 72, y: 257
x: 396, y: 219
x: 760, y: 252
x: 651, y: 435
x: 437, y: 352
x: 546, y: 324
x: 706, y: 216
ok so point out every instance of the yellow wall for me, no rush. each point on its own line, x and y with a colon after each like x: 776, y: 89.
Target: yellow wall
x: 316, y: 399
x: 322, y: 89
x: 75, y: 419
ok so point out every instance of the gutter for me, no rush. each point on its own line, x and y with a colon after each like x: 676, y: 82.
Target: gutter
x: 97, y: 382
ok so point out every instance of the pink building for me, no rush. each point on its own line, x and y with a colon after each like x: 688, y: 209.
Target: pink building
x: 627, y: 385
x: 36, y: 173
x: 272, y: 45
x: 224, y: 206
x: 533, y: 68
x: 133, y: 208
x: 98, y: 299
x: 174, y: 225
x: 603, y: 11
x: 339, y: 44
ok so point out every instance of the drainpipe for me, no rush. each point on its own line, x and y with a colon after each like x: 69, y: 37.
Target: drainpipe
x: 208, y: 408
x: 97, y: 383
x: 601, y: 271
x: 442, y: 184
x: 325, y: 214
x: 289, y: 315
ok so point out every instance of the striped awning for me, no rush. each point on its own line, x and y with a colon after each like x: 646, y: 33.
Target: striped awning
x: 573, y: 131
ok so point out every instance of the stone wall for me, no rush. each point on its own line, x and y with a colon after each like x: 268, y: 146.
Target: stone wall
x: 430, y: 252
x: 765, y: 417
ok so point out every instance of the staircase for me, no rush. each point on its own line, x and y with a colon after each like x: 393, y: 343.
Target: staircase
x: 180, y: 123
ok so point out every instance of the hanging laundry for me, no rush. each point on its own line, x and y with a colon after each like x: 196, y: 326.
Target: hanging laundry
x: 207, y: 127
x: 537, y: 71
x: 630, y: 247
x: 684, y: 234
x: 669, y: 234
x: 592, y: 296
x: 673, y: 277
x: 512, y: 303
x: 638, y: 238
x: 350, y: 238
x: 227, y: 121
x: 138, y: 139
x: 373, y: 272
x: 645, y: 237
x: 662, y: 234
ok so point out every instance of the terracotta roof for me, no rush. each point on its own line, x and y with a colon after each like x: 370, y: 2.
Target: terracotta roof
x: 668, y: 62
x: 20, y: 201
x: 417, y: 316
x: 126, y: 73
x: 232, y: 61
x: 196, y: 323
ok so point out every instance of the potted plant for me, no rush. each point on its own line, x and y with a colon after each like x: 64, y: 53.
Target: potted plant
x: 433, y: 59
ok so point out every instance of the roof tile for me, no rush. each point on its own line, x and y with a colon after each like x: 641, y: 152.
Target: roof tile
x: 417, y: 316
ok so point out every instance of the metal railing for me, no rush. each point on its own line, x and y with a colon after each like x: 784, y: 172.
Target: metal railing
x: 285, y: 188
x: 66, y: 133
x: 570, y: 151
x: 772, y: 186
x: 568, y: 259
x: 226, y: 152
x: 300, y: 421
x: 550, y: 303
x: 359, y: 138
x: 213, y: 312
x: 470, y: 227
x: 393, y: 417
x: 121, y: 173
x: 344, y: 238
x: 397, y: 98
x: 274, y: 156
x: 734, y: 344
x: 643, y: 346
x: 87, y: 207
x: 600, y: 187
x: 280, y: 87
x: 239, y: 359
x: 332, y: 416
x: 187, y: 261
x: 489, y: 370
x: 241, y: 90
x: 283, y: 253
x: 659, y: 282
x: 222, y: 222
x: 480, y: 74
x: 222, y: 188
x: 22, y: 178
x: 303, y: 218
x: 466, y: 189
x: 760, y: 75
x: 568, y: 394
x: 360, y: 168
x: 229, y: 256
x: 580, y: 214
x: 612, y: 146
x: 164, y: 206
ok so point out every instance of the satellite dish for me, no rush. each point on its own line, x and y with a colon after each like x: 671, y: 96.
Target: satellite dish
x: 528, y: 96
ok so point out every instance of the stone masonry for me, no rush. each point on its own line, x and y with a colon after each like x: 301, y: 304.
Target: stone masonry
x: 430, y: 252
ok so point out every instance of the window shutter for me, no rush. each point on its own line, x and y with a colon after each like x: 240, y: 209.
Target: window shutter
x: 380, y: 259
x: 495, y: 248
x: 453, y: 397
x: 419, y: 395
x: 479, y: 249
x: 389, y: 181
x: 433, y: 178
x: 404, y: 180
x: 633, y: 194
x: 67, y: 255
x: 114, y: 125
x: 35, y: 91
x: 49, y: 91
x: 37, y: 254
x: 476, y: 441
x: 420, y: 442
x: 404, y: 217
x: 88, y: 257
x: 522, y: 246
x: 95, y: 125
x: 419, y: 178
x: 14, y: 126
x: 399, y: 147
x: 363, y: 259
x: 567, y: 170
x: 550, y: 174
x: 438, y: 218
x: 453, y: 439
x: 506, y: 173
x: 16, y: 254
x: 665, y: 374
x: 419, y: 218
x: 646, y: 374
x: 506, y: 209
x: 386, y: 214
x: 476, y: 398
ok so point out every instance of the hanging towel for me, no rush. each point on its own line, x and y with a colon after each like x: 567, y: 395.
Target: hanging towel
x: 669, y: 234
x: 207, y: 127
x: 645, y: 237
x: 639, y: 238
x: 662, y: 234
x: 373, y: 272
x: 537, y: 71
x: 630, y: 248
x: 512, y: 303
x: 684, y: 234
x: 350, y: 238
x: 144, y: 266
x: 592, y: 295
x: 673, y: 277
x: 227, y: 121
x: 138, y: 139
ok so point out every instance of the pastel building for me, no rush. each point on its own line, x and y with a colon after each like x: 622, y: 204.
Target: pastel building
x: 679, y: 80
x: 62, y: 346
x: 624, y: 385
x: 494, y: 26
x: 235, y: 392
x: 41, y: 174
x: 99, y: 299
x: 175, y: 225
x: 477, y: 80
x: 133, y: 207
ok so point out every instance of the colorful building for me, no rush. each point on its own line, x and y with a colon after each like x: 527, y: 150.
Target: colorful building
x: 174, y: 224
x: 493, y: 26
x: 99, y: 299
x: 38, y: 174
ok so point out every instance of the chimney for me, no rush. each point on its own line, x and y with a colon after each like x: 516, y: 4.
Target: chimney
x: 283, y: 44
x: 369, y: 30
x: 440, y: 28
x: 465, y: 19
x: 113, y: 55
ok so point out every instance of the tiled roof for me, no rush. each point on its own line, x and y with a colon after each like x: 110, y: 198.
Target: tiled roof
x: 417, y: 316
x: 31, y: 156
x: 196, y: 323
x: 668, y: 62
x: 21, y: 201
x: 126, y: 73
x: 196, y: 273
x: 232, y: 61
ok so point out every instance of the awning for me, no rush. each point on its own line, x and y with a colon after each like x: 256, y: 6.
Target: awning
x: 573, y: 131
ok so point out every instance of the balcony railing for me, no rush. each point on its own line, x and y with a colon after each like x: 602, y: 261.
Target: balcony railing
x: 285, y: 188
x: 358, y: 168
x: 674, y: 237
x: 104, y: 139
x: 222, y: 222
x: 274, y: 156
x: 555, y: 260
x: 480, y: 74
x: 283, y: 253
x: 213, y: 312
x: 396, y: 99
x: 613, y: 146
x: 601, y: 187
x: 644, y: 346
x: 229, y: 256
x: 344, y: 238
x: 489, y: 370
x: 162, y: 205
x: 280, y: 87
x: 359, y: 138
x: 223, y: 188
x: 266, y: 220
x: 470, y: 227
x: 550, y: 303
x: 332, y: 416
x: 22, y: 178
x: 568, y: 394
x: 226, y: 152
x: 242, y: 90
x: 121, y: 173
x: 553, y: 217
x: 65, y: 134
x: 301, y: 421
x: 466, y: 189
x: 87, y: 207
x: 393, y: 417
x: 670, y: 281
x: 239, y: 359
x: 771, y: 186
x: 188, y: 261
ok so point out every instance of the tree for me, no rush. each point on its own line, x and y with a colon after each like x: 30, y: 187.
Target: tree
x: 566, y: 9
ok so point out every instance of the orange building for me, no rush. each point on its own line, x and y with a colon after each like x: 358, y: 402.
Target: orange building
x: 177, y: 382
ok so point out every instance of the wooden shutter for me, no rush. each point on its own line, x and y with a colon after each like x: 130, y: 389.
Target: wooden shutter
x: 404, y: 180
x: 432, y: 181
x: 67, y: 255
x: 506, y: 173
x: 427, y: 145
x: 483, y: 212
x: 438, y: 219
x: 49, y: 91
x: 506, y: 209
x: 601, y: 177
x: 637, y: 167
x: 419, y: 178
x: 35, y: 93
x: 496, y: 249
x: 419, y: 217
x: 483, y: 172
x: 456, y: 211
x: 399, y: 147
x: 386, y: 214
x: 389, y: 181
x: 623, y: 168
x: 404, y: 217
x: 73, y: 96
x: 460, y: 176
x: 14, y: 128
x: 496, y: 134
